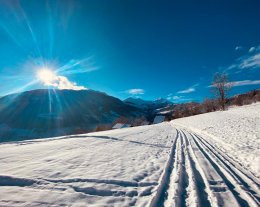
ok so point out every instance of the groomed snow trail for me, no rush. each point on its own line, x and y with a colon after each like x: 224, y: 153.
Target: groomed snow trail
x: 161, y: 165
x: 199, y: 174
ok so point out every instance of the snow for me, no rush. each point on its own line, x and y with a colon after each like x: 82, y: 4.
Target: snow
x: 205, y: 160
x: 115, y: 168
x: 235, y: 131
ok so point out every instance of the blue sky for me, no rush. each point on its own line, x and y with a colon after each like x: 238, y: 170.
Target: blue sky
x: 148, y: 49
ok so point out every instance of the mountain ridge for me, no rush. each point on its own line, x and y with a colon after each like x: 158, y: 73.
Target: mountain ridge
x: 43, y: 112
x: 147, y: 104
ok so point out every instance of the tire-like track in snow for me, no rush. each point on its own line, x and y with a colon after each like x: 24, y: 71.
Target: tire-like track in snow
x: 199, y: 174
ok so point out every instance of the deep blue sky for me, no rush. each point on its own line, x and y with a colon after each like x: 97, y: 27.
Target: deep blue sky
x: 162, y: 48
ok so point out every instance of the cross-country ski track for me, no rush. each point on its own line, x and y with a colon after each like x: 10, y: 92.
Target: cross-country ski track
x: 198, y: 174
x: 162, y: 165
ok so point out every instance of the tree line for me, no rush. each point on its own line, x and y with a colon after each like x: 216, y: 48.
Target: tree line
x: 220, y: 88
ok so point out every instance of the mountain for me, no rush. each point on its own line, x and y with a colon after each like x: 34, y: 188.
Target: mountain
x: 147, y: 105
x: 43, y: 113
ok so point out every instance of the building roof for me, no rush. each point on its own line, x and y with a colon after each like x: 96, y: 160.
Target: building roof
x: 158, y: 119
x: 121, y: 125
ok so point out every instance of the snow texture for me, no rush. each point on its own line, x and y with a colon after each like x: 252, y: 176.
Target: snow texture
x: 236, y: 132
x: 168, y: 164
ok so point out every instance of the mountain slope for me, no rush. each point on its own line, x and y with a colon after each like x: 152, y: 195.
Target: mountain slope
x: 56, y: 112
x: 147, y: 105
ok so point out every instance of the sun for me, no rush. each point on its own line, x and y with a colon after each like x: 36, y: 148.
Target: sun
x: 46, y: 76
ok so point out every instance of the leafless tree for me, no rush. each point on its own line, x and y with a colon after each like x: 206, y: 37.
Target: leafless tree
x: 209, y: 105
x: 122, y: 120
x: 103, y: 127
x: 138, y: 121
x: 221, y: 86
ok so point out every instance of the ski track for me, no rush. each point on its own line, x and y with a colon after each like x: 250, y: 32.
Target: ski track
x: 199, y: 174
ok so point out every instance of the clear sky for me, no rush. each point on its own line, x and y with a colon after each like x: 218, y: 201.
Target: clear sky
x: 147, y: 49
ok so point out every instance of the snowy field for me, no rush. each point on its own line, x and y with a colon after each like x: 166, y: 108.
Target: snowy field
x: 205, y: 160
x: 236, y: 132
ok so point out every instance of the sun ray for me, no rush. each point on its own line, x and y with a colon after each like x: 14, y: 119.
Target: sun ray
x: 46, y: 76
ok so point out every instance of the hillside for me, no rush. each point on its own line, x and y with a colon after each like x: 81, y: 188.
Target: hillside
x: 235, y: 131
x: 45, y: 113
x: 186, y: 162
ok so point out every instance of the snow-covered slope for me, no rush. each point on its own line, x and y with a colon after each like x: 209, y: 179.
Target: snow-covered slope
x: 163, y: 165
x: 235, y: 131
x: 115, y: 168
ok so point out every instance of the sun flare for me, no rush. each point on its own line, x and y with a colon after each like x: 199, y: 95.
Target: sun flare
x: 46, y: 76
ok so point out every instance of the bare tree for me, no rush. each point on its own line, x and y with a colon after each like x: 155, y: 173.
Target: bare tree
x: 221, y: 86
x: 209, y: 105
